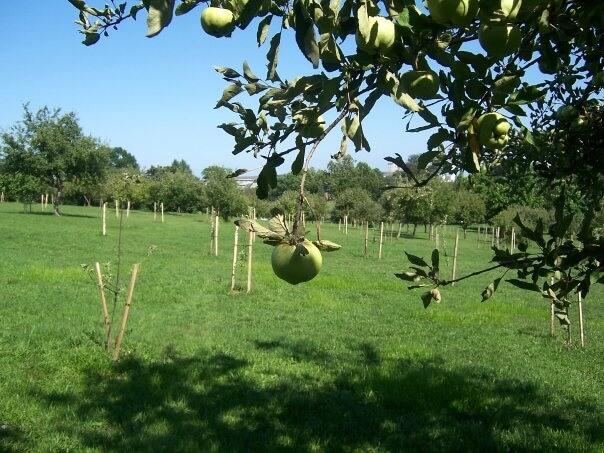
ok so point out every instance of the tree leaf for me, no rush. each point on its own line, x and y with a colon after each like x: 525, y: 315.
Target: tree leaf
x: 227, y: 73
x: 305, y: 35
x: 255, y: 227
x: 249, y: 12
x: 298, y: 161
x: 489, y: 291
x: 229, y: 92
x: 159, y: 17
x: 277, y: 225
x: 327, y: 246
x: 91, y: 38
x: 185, y: 7
x: 263, y: 28
x: 248, y: 74
x: 273, y: 58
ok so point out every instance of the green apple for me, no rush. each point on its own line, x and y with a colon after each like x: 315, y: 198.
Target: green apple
x: 453, y: 12
x: 217, y: 22
x: 566, y: 113
x: 292, y: 265
x: 420, y: 84
x: 493, y: 130
x: 505, y: 10
x: 381, y: 36
x: 499, y: 40
x: 312, y: 129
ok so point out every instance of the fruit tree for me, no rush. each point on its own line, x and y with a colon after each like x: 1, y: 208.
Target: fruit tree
x: 470, y: 71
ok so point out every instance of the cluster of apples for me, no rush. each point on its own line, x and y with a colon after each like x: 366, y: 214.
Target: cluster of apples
x: 498, y: 35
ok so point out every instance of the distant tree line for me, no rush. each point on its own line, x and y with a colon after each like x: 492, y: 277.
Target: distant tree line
x: 47, y: 152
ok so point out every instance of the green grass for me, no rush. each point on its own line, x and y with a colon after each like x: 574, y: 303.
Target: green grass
x: 349, y: 361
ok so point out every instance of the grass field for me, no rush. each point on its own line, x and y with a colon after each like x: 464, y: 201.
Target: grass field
x: 348, y: 362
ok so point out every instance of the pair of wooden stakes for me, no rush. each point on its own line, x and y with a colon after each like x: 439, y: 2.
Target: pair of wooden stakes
x: 117, y: 343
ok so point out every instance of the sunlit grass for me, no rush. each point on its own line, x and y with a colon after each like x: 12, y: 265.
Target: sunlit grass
x: 349, y: 361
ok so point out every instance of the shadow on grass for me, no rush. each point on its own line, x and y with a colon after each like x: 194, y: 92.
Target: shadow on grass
x: 221, y: 402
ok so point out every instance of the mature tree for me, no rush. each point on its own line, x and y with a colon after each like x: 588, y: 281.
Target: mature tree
x: 357, y: 204
x: 222, y: 193
x: 179, y: 191
x: 471, y: 103
x: 468, y: 208
x: 120, y: 158
x: 50, y: 146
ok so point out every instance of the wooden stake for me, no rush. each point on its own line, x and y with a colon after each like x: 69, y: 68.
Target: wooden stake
x: 478, y: 237
x: 104, y: 219
x: 497, y: 237
x: 154, y: 210
x: 339, y: 224
x: 120, y: 335
x: 42, y: 201
x: 436, y: 239
x: 128, y: 209
x: 346, y: 224
x: 513, y: 240
x: 106, y: 324
x: 212, y: 234
x: 581, y: 331
x: 249, y: 262
x: 552, y: 315
x: 398, y: 235
x: 235, y: 241
x: 492, y: 236
x: 161, y: 206
x: 117, y: 209
x: 216, y: 222
x: 381, y: 240
x: 455, y: 256
x: 366, y: 237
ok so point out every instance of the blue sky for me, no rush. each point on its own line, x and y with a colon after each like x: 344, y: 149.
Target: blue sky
x: 154, y: 97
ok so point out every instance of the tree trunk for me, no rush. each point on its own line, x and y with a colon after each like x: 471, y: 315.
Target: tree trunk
x: 56, y: 202
x: 414, y: 228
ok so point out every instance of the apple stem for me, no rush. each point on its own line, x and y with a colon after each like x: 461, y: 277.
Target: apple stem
x: 300, y: 202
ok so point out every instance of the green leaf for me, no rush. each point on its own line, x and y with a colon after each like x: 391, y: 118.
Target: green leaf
x: 526, y: 95
x: 255, y: 227
x: 229, y: 92
x: 249, y: 12
x: 305, y: 35
x: 185, y: 7
x: 489, y: 291
x: 403, y: 99
x: 248, y: 74
x: 437, y: 139
x: 228, y: 73
x: 299, y: 160
x: 273, y: 58
x: 91, y: 38
x: 352, y: 128
x: 416, y: 260
x: 159, y: 17
x: 426, y: 158
x: 263, y: 28
x: 327, y: 246
x: 277, y: 225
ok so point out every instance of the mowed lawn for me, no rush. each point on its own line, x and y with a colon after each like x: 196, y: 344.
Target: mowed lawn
x: 348, y: 362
